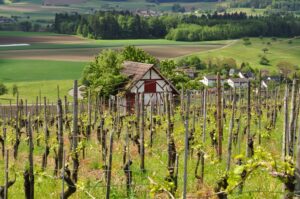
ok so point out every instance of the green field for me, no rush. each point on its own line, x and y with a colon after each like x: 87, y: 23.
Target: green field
x: 280, y: 50
x: 38, y: 72
x: 35, y: 70
x: 35, y: 76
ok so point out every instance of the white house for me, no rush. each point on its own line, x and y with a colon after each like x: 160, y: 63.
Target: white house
x: 238, y: 82
x: 248, y: 75
x: 211, y: 80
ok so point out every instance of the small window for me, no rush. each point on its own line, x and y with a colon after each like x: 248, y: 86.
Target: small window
x: 150, y: 86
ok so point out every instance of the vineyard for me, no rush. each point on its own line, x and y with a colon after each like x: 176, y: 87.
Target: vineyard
x: 213, y: 143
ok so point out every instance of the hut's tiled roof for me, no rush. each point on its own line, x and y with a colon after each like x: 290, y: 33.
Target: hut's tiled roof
x: 135, y: 70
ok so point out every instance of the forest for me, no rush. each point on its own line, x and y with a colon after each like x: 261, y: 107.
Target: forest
x: 125, y: 25
x: 277, y: 4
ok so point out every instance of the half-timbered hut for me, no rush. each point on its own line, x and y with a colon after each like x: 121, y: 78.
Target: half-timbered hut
x: 144, y: 79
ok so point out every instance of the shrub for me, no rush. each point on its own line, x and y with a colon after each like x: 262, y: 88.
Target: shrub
x: 3, y: 89
x: 264, y: 61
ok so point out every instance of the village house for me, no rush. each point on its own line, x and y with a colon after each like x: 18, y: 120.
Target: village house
x: 144, y: 79
x: 147, y: 13
x: 270, y: 81
x: 238, y: 82
x: 210, y: 80
x: 248, y: 75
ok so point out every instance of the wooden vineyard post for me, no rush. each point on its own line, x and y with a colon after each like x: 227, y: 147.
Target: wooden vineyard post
x: 285, y: 140
x: 6, y: 175
x: 28, y: 174
x: 88, y: 128
x: 63, y: 175
x: 204, y: 116
x: 75, y: 133
x: 58, y: 93
x: 231, y: 126
x: 137, y: 112
x: 219, y: 117
x: 151, y: 123
x: 66, y: 108
x: 17, y: 142
x: 46, y: 132
x: 6, y: 165
x: 37, y: 121
x: 186, y: 142
x: 60, y: 134
x: 108, y: 181
x: 249, y: 149
x: 259, y: 112
x: 297, y: 168
x: 292, y: 120
x: 142, y: 133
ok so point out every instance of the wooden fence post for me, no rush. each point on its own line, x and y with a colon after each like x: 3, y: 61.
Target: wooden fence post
x: 230, y: 133
x: 249, y: 151
x: 142, y: 133
x: 285, y: 140
x: 292, y: 120
x: 108, y: 185
x: 186, y: 141
x: 219, y: 117
x: 60, y: 134
x: 6, y: 165
x: 204, y: 116
x: 75, y: 132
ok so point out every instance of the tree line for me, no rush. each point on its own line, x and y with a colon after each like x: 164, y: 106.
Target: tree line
x: 286, y: 5
x: 126, y: 25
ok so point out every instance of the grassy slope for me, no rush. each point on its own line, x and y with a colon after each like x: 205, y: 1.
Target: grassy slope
x: 279, y: 50
x: 33, y: 70
x: 33, y: 76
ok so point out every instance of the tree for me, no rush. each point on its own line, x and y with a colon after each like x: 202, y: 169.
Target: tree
x: 167, y: 67
x: 265, y: 50
x: 177, y: 8
x: 131, y: 53
x: 192, y: 61
x: 103, y: 74
x: 25, y: 26
x: 3, y: 89
x: 15, y: 89
x: 286, y: 68
x: 264, y: 61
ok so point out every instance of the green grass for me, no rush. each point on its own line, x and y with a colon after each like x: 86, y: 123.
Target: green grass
x: 29, y: 90
x: 25, y: 34
x: 38, y: 70
x: 279, y: 50
x: 33, y: 76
